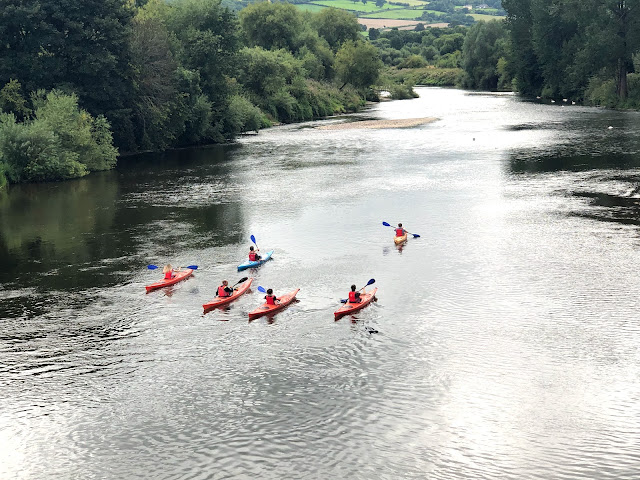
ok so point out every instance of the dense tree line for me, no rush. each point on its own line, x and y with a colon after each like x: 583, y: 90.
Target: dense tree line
x: 583, y: 50
x: 156, y: 75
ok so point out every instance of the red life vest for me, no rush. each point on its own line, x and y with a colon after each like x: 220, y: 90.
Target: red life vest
x: 399, y: 232
x: 168, y: 275
x: 252, y: 256
x: 352, y: 297
x: 221, y: 291
x: 271, y: 299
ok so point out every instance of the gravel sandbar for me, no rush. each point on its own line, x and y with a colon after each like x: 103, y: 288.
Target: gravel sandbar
x: 399, y: 123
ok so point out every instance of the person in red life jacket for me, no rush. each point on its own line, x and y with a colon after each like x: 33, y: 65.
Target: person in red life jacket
x: 354, y: 297
x: 253, y: 256
x: 400, y: 231
x: 271, y: 298
x: 168, y: 272
x: 224, y: 290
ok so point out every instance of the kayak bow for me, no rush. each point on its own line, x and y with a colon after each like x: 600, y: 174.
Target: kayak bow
x: 399, y: 240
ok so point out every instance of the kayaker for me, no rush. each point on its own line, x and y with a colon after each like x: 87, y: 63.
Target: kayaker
x: 400, y: 231
x: 271, y: 298
x: 224, y: 290
x: 253, y: 256
x: 354, y: 296
x: 168, y: 272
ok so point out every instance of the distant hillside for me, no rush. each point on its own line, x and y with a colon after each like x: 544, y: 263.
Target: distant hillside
x: 403, y: 14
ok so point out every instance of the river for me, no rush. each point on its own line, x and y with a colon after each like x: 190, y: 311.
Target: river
x: 504, y: 343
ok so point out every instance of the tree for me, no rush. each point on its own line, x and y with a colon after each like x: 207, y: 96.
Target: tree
x: 61, y: 141
x: 79, y: 45
x: 358, y: 63
x: 156, y: 95
x: 12, y: 101
x: 523, y: 58
x: 484, y: 46
x: 336, y: 26
x: 374, y: 33
x: 271, y: 25
x: 207, y: 37
x: 380, y: 3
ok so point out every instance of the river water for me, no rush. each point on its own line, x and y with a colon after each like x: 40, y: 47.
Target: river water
x: 507, y: 342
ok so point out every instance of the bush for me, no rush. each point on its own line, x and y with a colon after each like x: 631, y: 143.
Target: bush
x: 60, y: 142
x: 413, y: 61
x: 401, y: 92
x: 244, y: 116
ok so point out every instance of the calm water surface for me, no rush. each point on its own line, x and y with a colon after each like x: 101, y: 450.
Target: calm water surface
x: 508, y: 334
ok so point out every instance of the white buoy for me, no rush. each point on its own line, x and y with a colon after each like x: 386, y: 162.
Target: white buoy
x: 565, y: 100
x: 610, y: 127
x: 553, y: 101
x: 573, y: 103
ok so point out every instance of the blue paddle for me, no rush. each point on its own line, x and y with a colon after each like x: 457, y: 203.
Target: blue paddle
x: 415, y: 235
x: 191, y: 267
x: 345, y: 300
x: 262, y: 289
x: 253, y: 239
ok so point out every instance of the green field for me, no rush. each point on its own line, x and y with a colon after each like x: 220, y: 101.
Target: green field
x: 348, y: 5
x: 412, y: 3
x: 402, y: 14
x: 487, y: 18
x: 308, y: 7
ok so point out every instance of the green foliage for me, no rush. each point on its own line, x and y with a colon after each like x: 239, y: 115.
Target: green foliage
x: 12, y: 101
x: 271, y: 25
x: 401, y: 92
x: 450, y: 60
x: 358, y: 64
x: 431, y: 76
x: 558, y: 46
x: 484, y: 47
x: 60, y: 142
x: 336, y: 27
x: 80, y: 46
x: 244, y: 116
x: 413, y: 61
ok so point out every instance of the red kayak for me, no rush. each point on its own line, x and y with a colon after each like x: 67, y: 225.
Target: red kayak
x: 349, y: 307
x: 220, y: 301
x: 265, y: 309
x: 178, y: 277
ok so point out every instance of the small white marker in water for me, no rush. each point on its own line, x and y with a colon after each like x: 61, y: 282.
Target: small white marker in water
x: 573, y: 103
x: 610, y: 127
x: 565, y: 100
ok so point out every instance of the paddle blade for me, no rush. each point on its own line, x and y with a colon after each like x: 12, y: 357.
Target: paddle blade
x: 152, y: 267
x: 262, y: 289
x: 415, y: 235
x: 193, y: 267
x: 386, y: 224
x: 371, y: 282
x: 253, y: 239
x: 243, y: 279
x: 343, y: 300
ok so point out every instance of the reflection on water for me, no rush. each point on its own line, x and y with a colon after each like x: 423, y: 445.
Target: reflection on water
x: 503, y: 343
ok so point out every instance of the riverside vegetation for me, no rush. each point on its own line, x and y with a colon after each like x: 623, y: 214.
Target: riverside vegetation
x: 85, y: 80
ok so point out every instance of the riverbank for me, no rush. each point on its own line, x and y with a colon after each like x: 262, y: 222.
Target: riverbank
x: 379, y: 124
